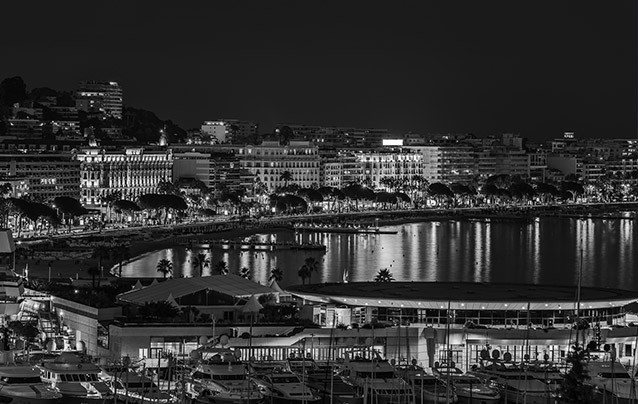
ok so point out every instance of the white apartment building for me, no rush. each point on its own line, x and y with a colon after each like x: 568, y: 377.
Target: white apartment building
x: 270, y: 160
x: 447, y: 163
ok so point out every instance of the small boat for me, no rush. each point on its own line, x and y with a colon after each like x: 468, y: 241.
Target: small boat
x: 469, y: 389
x: 21, y: 384
x: 284, y: 388
x: 221, y: 378
x: 77, y: 380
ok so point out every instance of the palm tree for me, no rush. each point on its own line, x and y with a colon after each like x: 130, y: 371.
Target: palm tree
x: 165, y: 267
x: 121, y: 253
x: 94, y: 272
x: 384, y: 275
x: 101, y: 252
x: 303, y: 274
x: 201, y: 261
x: 221, y: 268
x: 276, y: 274
x: 245, y: 272
x: 286, y: 176
x: 311, y: 265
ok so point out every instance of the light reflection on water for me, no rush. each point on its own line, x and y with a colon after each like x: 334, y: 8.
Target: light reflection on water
x: 546, y: 252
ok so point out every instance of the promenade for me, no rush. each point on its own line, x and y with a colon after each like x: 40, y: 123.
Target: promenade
x: 144, y: 239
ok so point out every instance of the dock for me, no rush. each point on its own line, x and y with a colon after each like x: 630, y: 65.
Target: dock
x: 352, y: 230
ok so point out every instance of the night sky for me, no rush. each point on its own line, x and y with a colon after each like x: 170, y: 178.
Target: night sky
x: 536, y: 68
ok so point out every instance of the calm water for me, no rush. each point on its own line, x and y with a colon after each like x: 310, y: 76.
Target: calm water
x: 547, y: 252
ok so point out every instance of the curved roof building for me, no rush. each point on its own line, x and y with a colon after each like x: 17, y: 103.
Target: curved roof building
x: 464, y: 295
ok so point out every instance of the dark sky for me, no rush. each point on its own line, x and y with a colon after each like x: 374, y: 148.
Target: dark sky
x: 537, y: 68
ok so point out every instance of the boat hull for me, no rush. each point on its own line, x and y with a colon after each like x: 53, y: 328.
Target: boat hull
x: 86, y: 400
x: 288, y: 400
x: 478, y: 400
x: 7, y: 398
x: 228, y: 400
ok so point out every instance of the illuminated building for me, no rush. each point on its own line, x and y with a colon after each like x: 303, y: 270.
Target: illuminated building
x: 47, y: 176
x: 133, y: 172
x: 270, y: 160
x: 101, y: 97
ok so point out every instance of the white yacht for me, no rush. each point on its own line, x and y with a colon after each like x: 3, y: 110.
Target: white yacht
x: 375, y: 378
x: 138, y: 389
x: 469, y: 389
x: 513, y: 383
x: 21, y: 384
x: 612, y: 380
x: 77, y: 380
x: 284, y: 387
x: 222, y: 378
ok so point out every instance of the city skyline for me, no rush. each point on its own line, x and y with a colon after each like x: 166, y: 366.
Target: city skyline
x: 425, y: 68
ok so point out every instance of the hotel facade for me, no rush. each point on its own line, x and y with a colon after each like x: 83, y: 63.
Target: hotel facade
x: 133, y: 172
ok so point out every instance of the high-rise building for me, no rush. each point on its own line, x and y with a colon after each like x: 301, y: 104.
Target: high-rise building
x: 100, y: 97
x: 229, y: 130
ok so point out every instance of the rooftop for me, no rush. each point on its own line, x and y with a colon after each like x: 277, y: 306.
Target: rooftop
x: 463, y: 295
x: 230, y: 285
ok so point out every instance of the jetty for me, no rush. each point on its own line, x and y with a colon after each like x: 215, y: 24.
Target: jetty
x: 340, y: 229
x: 254, y: 245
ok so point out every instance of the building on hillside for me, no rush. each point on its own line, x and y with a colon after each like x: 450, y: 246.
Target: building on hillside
x: 103, y: 98
x: 270, y: 160
x: 229, y: 130
x: 47, y: 175
x: 25, y: 128
x: 328, y: 136
x: 133, y: 172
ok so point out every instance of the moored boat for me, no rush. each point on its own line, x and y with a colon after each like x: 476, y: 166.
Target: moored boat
x: 374, y: 378
x: 513, y: 383
x: 469, y: 389
x: 21, y: 384
x: 428, y: 389
x: 77, y: 380
x: 284, y: 387
x: 138, y: 389
x: 612, y: 381
x: 221, y: 378
x: 330, y: 387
